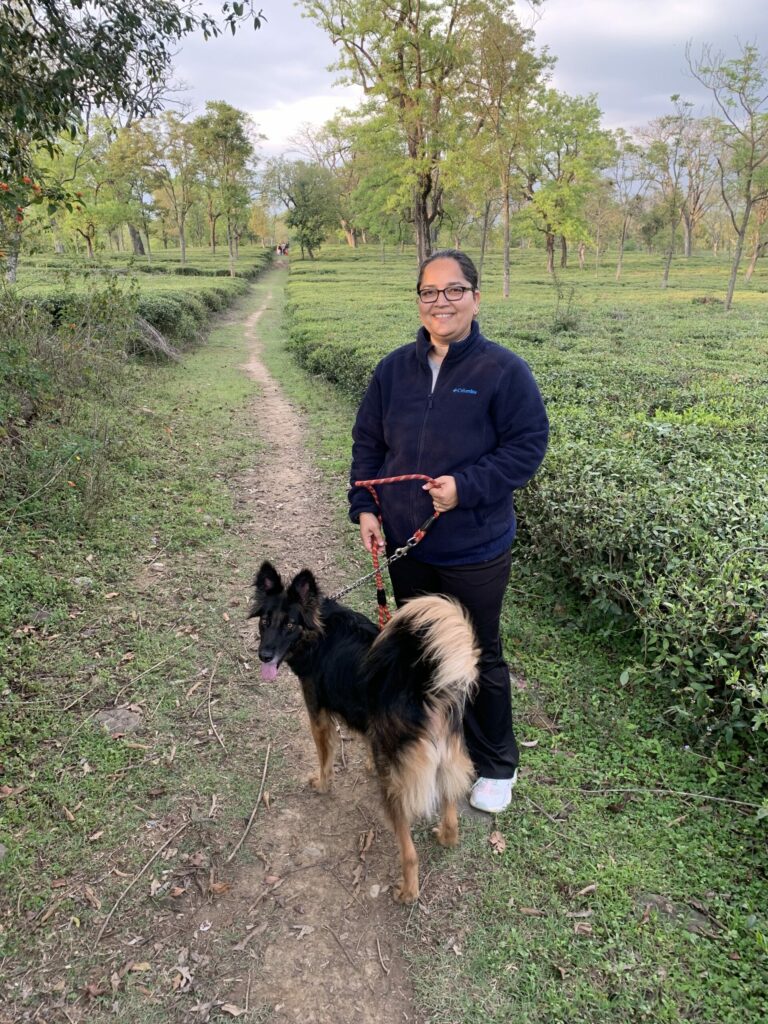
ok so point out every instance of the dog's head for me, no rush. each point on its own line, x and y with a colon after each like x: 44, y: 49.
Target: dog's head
x: 285, y: 616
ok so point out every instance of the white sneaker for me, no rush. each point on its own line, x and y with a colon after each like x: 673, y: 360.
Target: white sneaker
x: 492, y: 795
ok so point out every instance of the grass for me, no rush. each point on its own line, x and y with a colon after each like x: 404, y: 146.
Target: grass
x: 137, y: 634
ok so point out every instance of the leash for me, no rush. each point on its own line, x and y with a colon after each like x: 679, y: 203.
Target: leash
x: 418, y: 535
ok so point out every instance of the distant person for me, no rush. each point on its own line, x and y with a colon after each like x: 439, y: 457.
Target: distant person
x: 468, y: 413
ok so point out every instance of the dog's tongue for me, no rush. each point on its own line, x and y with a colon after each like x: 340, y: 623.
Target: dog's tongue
x: 269, y: 671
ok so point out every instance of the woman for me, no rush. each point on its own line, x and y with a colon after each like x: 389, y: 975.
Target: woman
x: 468, y: 413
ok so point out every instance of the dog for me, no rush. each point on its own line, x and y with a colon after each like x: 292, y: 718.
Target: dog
x: 404, y: 688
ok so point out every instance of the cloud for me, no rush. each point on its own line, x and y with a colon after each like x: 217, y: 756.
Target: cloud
x: 283, y: 119
x: 632, y: 52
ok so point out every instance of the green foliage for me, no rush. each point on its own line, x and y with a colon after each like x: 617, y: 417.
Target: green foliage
x: 58, y: 56
x: 653, y: 495
x: 310, y: 195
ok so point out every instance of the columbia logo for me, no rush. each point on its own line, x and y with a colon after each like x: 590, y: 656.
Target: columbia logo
x: 464, y: 391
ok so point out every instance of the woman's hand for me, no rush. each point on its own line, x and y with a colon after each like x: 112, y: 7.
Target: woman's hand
x: 370, y: 532
x: 443, y: 493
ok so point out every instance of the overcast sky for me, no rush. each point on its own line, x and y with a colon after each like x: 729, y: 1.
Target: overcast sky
x: 631, y: 53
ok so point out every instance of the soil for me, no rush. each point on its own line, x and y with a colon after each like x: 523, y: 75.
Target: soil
x: 328, y: 947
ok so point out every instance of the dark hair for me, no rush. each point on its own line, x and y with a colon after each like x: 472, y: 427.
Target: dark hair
x: 468, y: 268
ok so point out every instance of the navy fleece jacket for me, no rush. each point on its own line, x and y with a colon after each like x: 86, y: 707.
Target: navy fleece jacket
x: 484, y: 424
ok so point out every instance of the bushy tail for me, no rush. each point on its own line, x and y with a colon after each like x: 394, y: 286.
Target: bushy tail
x: 447, y: 640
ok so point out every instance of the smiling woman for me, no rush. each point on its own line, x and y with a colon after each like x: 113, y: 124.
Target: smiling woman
x: 467, y: 413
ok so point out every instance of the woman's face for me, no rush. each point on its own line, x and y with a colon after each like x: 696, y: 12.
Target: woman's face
x: 447, y: 320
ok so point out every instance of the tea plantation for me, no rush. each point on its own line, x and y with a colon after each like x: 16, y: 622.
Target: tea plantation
x: 653, y: 498
x: 175, y: 299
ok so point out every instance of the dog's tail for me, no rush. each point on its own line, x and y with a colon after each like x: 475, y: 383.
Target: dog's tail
x: 447, y: 642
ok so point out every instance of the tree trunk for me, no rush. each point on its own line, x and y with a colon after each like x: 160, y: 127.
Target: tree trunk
x: 668, y: 260
x: 740, y: 236
x: 12, y: 260
x: 582, y: 255
x: 349, y: 234
x: 182, y: 243
x: 550, y: 253
x: 421, y: 227
x: 563, y: 252
x: 422, y: 221
x: 136, y: 242
x: 231, y: 248
x: 687, y: 235
x: 506, y: 219
x: 622, y: 242
x: 484, y: 240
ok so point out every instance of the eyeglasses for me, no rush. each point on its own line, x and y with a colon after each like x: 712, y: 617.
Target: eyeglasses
x: 454, y: 293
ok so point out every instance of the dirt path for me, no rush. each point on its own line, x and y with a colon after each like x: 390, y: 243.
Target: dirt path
x: 321, y: 932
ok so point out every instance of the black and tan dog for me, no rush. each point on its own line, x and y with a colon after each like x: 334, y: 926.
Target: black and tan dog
x: 404, y: 688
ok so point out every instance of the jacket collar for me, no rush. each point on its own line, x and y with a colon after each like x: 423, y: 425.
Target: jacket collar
x: 457, y: 350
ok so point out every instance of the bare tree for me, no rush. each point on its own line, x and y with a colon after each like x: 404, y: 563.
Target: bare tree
x: 739, y: 87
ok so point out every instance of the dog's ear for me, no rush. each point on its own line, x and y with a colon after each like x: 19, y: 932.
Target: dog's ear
x: 267, y: 584
x: 304, y: 590
x: 304, y: 587
x: 268, y: 580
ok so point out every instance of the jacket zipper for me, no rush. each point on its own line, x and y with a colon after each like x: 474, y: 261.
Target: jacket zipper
x: 422, y: 432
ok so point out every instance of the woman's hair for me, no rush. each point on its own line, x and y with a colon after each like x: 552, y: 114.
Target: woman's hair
x: 468, y: 268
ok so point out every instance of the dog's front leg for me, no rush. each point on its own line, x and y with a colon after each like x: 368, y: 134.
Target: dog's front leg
x: 324, y: 735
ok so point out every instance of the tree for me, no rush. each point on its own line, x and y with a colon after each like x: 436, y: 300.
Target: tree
x: 760, y: 239
x: 701, y: 174
x: 224, y: 142
x: 334, y: 146
x: 565, y: 149
x: 170, y: 158
x: 502, y: 82
x: 410, y: 55
x: 130, y: 179
x: 60, y: 56
x: 739, y: 87
x: 308, y: 192
x: 665, y: 159
x: 630, y: 182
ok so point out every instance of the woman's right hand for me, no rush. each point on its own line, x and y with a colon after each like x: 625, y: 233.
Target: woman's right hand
x: 370, y: 532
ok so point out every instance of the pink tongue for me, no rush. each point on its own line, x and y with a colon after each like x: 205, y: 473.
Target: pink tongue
x: 269, y: 671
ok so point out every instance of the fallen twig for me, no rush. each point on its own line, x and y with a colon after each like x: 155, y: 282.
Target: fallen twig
x: 381, y: 958
x: 256, y: 807
x: 135, y: 879
x: 664, y: 792
x: 341, y: 945
x: 210, y: 716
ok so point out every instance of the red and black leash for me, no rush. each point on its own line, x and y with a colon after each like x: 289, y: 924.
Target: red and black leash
x: 418, y: 535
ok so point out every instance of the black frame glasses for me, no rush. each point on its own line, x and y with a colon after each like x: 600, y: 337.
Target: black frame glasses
x: 458, y: 291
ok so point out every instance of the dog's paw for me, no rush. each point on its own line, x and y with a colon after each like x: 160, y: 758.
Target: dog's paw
x: 446, y: 836
x: 319, y: 784
x: 405, y: 893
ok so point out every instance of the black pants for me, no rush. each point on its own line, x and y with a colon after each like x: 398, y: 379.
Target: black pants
x: 480, y: 588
